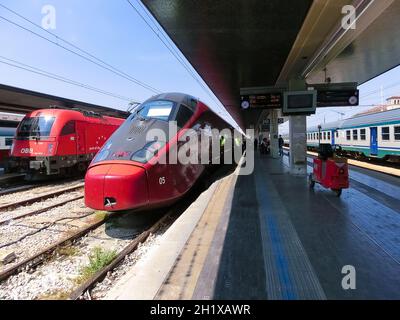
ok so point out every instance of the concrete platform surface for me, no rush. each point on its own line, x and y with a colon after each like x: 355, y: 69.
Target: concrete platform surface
x: 268, y: 236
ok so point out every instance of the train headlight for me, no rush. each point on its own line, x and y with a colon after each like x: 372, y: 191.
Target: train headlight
x: 148, y: 151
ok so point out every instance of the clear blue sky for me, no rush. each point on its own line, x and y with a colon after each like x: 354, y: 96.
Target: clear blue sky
x: 114, y: 32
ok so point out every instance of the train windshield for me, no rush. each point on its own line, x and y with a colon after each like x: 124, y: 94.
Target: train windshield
x: 35, y: 127
x: 158, y: 109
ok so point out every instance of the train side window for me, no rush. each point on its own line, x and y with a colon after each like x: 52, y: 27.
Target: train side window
x: 355, y: 134
x: 385, y: 133
x: 183, y: 116
x: 337, y: 134
x: 363, y: 135
x: 69, y: 128
x: 397, y: 133
x: 348, y: 135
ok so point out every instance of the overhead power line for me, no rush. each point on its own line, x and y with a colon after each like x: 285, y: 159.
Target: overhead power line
x: 26, y: 67
x: 93, y: 59
x: 172, y: 50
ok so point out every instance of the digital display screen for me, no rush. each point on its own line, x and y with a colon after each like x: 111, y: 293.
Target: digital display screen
x: 338, y: 98
x: 300, y: 101
x: 261, y: 101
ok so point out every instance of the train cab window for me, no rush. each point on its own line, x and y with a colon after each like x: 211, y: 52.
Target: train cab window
x: 397, y: 133
x: 35, y: 127
x: 324, y: 135
x: 183, y: 116
x: 363, y: 135
x: 355, y: 134
x: 329, y: 136
x: 158, y: 109
x: 348, y: 135
x: 69, y: 128
x: 386, y: 133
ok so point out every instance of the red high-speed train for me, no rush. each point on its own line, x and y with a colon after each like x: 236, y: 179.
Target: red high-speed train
x: 125, y: 174
x: 52, y: 142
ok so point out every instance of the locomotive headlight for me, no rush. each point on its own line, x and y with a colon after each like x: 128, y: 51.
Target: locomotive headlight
x: 148, y: 151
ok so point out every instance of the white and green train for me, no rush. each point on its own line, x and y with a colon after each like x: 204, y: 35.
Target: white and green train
x: 8, y: 126
x: 375, y: 135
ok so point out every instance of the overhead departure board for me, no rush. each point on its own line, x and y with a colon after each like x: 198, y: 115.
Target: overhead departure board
x: 337, y: 98
x: 261, y: 101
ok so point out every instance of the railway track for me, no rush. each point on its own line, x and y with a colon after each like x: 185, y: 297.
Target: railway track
x: 38, y: 211
x: 131, y: 247
x: 48, y: 256
x: 16, y: 189
x: 41, y: 197
x: 41, y: 256
x: 57, y: 271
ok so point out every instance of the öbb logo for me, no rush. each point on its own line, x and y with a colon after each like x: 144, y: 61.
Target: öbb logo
x: 26, y: 150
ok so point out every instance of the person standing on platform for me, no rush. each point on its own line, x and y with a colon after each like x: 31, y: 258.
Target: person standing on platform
x: 280, y: 142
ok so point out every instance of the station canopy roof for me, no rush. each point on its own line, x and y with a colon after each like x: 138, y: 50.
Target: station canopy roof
x: 237, y: 44
x: 17, y: 100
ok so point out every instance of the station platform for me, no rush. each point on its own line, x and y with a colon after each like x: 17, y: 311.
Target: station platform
x: 268, y: 236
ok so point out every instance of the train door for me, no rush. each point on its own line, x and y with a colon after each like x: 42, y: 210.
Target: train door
x: 374, y: 141
x: 80, y: 137
x: 333, y: 132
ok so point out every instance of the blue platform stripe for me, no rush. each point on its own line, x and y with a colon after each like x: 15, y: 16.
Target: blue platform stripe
x: 289, y: 273
x: 288, y: 291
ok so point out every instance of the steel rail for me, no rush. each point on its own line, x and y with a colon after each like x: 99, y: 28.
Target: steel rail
x: 131, y: 247
x: 39, y: 257
x: 38, y: 211
x: 39, y: 198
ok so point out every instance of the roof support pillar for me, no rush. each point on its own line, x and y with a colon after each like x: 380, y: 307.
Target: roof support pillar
x: 274, y: 145
x: 297, y: 136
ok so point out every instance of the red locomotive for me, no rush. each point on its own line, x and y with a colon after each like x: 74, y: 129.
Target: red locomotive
x: 127, y: 174
x: 330, y: 171
x: 51, y: 142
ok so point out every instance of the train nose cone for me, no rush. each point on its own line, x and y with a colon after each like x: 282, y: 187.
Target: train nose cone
x: 115, y: 187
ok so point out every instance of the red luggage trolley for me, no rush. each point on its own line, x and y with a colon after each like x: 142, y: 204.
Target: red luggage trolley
x: 330, y: 171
